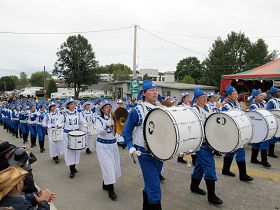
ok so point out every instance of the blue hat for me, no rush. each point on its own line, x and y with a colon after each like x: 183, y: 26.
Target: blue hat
x: 41, y: 105
x: 147, y: 84
x: 230, y: 89
x: 256, y: 92
x: 273, y: 89
x: 197, y: 93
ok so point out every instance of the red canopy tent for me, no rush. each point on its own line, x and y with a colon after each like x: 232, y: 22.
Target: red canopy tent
x: 268, y: 71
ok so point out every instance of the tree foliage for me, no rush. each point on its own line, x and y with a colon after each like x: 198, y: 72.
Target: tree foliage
x: 188, y: 79
x: 76, y: 63
x: 120, y: 71
x: 188, y: 66
x: 23, y: 80
x: 7, y: 83
x: 52, y: 88
x: 37, y: 78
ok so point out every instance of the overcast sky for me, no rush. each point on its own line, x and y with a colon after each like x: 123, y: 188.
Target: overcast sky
x: 197, y: 18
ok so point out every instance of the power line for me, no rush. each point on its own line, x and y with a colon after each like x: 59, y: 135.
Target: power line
x: 163, y: 39
x: 63, y: 33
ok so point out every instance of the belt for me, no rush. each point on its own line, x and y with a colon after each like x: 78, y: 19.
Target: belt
x: 67, y: 131
x: 106, y: 141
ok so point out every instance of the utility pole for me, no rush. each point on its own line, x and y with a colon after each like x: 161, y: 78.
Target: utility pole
x: 45, y: 91
x: 134, y: 52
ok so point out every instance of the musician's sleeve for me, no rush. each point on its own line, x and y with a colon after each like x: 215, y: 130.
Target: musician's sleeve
x: 252, y: 107
x: 129, y: 126
x: 270, y: 105
x: 224, y: 108
x: 99, y: 127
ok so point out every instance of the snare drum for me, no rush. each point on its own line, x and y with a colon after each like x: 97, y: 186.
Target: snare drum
x: 171, y: 131
x: 264, y: 124
x: 228, y: 131
x: 77, y: 140
x: 276, y: 114
x: 57, y: 134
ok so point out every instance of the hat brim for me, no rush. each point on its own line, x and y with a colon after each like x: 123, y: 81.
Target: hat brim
x: 98, y: 109
x: 68, y: 102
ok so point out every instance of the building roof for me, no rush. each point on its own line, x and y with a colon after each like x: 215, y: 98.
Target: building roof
x: 175, y: 85
x: 268, y: 71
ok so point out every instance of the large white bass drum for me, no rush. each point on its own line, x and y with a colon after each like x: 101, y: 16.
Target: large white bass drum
x: 276, y: 114
x: 264, y: 124
x: 171, y: 131
x: 77, y: 140
x: 228, y: 131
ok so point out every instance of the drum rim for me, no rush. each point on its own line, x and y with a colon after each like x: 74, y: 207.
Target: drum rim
x: 84, y: 133
x: 234, y: 123
x: 275, y: 113
x: 145, y: 137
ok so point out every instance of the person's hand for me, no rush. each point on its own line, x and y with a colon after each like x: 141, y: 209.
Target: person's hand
x: 44, y: 195
x: 132, y: 150
x: 53, y: 197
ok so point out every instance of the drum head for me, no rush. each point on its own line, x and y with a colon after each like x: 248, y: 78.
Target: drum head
x: 160, y: 134
x: 77, y: 133
x: 260, y: 126
x: 221, y: 132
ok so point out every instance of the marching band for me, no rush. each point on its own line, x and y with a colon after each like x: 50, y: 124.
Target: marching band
x: 73, y: 126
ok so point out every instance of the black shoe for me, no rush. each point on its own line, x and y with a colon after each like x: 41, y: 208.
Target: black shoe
x: 124, y: 145
x: 72, y: 175
x: 271, y: 151
x: 195, y: 187
x: 226, y: 167
x: 44, y: 149
x: 242, y: 172
x: 145, y: 201
x: 154, y: 206
x: 41, y: 150
x: 254, y: 156
x: 161, y: 178
x: 75, y: 171
x: 88, y: 151
x: 181, y: 159
x: 264, y: 159
x: 212, y: 197
x: 112, y: 195
x: 217, y: 153
x: 105, y: 187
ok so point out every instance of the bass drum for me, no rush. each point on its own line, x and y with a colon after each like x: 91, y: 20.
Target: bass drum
x: 276, y: 114
x: 171, y: 131
x: 264, y: 124
x: 228, y: 131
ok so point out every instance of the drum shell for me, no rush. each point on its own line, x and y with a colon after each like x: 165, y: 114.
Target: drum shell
x: 57, y: 135
x: 227, y: 131
x: 176, y: 130
x: 276, y: 114
x: 264, y: 125
x: 77, y: 140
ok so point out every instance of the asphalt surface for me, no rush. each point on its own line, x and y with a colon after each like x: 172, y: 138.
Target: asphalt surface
x: 84, y: 192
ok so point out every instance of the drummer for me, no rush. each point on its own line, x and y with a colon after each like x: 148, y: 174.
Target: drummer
x: 257, y: 102
x: 88, y: 115
x: 56, y: 147
x: 150, y: 166
x: 273, y: 104
x: 70, y: 120
x: 107, y: 149
x: 232, y: 104
x: 205, y: 164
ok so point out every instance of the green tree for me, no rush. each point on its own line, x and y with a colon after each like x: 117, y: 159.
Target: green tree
x: 23, y: 80
x: 233, y: 55
x: 52, y: 88
x: 7, y: 83
x: 188, y: 79
x: 15, y: 80
x: 145, y: 77
x: 120, y: 71
x: 76, y: 63
x: 188, y: 66
x: 37, y: 78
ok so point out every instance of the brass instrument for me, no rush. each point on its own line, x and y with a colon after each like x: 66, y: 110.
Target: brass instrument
x: 119, y: 116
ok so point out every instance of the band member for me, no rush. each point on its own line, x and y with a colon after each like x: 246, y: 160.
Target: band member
x: 41, y: 130
x: 32, y: 124
x: 23, y: 126
x: 56, y: 147
x: 70, y: 120
x: 231, y: 104
x: 213, y: 103
x: 15, y: 119
x: 205, y: 164
x: 107, y: 149
x: 273, y: 103
x: 257, y: 102
x: 88, y: 115
x: 150, y: 166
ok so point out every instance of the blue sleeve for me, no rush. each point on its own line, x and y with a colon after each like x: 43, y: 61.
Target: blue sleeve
x: 252, y: 107
x: 131, y: 122
x: 224, y: 108
x: 270, y: 105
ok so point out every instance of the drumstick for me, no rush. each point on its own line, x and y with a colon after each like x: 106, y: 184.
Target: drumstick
x: 137, y: 153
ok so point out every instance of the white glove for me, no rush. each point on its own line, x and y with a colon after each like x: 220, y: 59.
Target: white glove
x: 132, y: 150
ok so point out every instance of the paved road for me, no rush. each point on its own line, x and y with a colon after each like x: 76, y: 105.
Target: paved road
x: 85, y: 191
